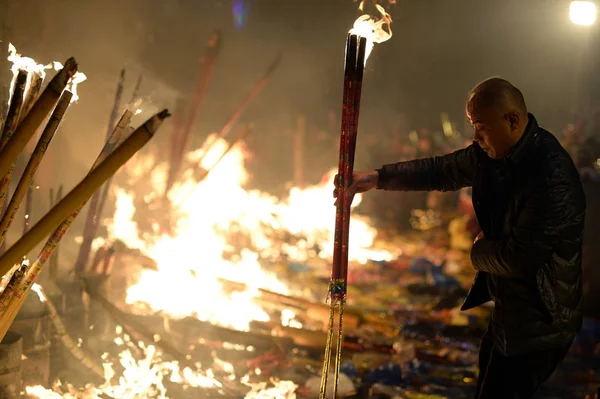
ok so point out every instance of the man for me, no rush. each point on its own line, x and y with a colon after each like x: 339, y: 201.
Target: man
x: 530, y: 206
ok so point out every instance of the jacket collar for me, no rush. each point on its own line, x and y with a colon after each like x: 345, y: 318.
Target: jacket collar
x: 520, y: 150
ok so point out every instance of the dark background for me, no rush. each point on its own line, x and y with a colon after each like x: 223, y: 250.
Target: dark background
x: 439, y: 50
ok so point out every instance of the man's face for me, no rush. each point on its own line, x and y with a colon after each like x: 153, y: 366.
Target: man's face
x: 492, y: 130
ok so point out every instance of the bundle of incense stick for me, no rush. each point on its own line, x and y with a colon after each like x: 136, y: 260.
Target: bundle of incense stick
x: 35, y: 117
x: 33, y: 164
x: 353, y: 74
x: 61, y: 216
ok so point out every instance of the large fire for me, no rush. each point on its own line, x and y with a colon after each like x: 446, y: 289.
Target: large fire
x: 221, y: 230
x: 191, y: 261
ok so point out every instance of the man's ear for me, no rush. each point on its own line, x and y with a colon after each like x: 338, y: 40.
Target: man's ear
x: 513, y: 119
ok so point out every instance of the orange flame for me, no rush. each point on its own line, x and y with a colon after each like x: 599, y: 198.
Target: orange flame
x: 375, y: 31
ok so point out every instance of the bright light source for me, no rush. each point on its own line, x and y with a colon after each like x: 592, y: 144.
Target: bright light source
x: 582, y: 12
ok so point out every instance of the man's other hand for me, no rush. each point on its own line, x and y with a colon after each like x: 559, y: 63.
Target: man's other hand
x: 361, y: 182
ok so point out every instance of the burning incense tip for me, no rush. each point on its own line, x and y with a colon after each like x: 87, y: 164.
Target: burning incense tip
x: 375, y: 31
x: 70, y: 67
x: 74, y: 76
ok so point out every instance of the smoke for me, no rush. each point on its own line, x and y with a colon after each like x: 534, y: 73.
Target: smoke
x: 440, y: 50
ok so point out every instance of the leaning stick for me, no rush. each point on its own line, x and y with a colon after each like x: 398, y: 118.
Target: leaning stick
x: 103, y: 197
x: 64, y: 336
x: 136, y: 91
x: 116, y: 104
x: 207, y: 67
x: 14, y: 110
x: 34, y: 163
x: 54, y: 258
x: 28, y: 206
x: 91, y: 220
x: 254, y: 90
x: 36, y: 116
x: 33, y: 93
x: 73, y: 201
x: 12, y: 120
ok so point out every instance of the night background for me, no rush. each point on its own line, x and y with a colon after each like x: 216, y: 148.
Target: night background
x: 228, y: 259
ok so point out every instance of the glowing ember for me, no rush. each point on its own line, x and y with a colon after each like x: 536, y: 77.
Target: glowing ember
x: 143, y: 378
x: 374, y: 31
x: 279, y: 390
x: 75, y: 80
x: 212, y: 217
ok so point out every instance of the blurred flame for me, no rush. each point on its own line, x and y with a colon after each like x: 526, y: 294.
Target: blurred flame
x: 36, y: 288
x: 375, y: 31
x: 194, y: 260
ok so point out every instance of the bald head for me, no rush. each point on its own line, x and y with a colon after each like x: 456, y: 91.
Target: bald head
x: 499, y: 93
x: 498, y: 113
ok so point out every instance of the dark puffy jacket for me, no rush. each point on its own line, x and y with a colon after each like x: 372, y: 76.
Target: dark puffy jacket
x: 531, y: 209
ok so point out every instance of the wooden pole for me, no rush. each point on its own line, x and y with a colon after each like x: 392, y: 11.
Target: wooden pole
x: 91, y: 221
x: 70, y: 206
x: 24, y: 186
x: 36, y: 116
x: 55, y: 256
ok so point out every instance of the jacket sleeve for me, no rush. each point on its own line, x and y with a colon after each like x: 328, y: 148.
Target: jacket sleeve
x: 551, y: 206
x: 447, y: 173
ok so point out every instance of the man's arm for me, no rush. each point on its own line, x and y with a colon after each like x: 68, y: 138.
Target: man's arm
x: 447, y: 173
x: 554, y: 203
